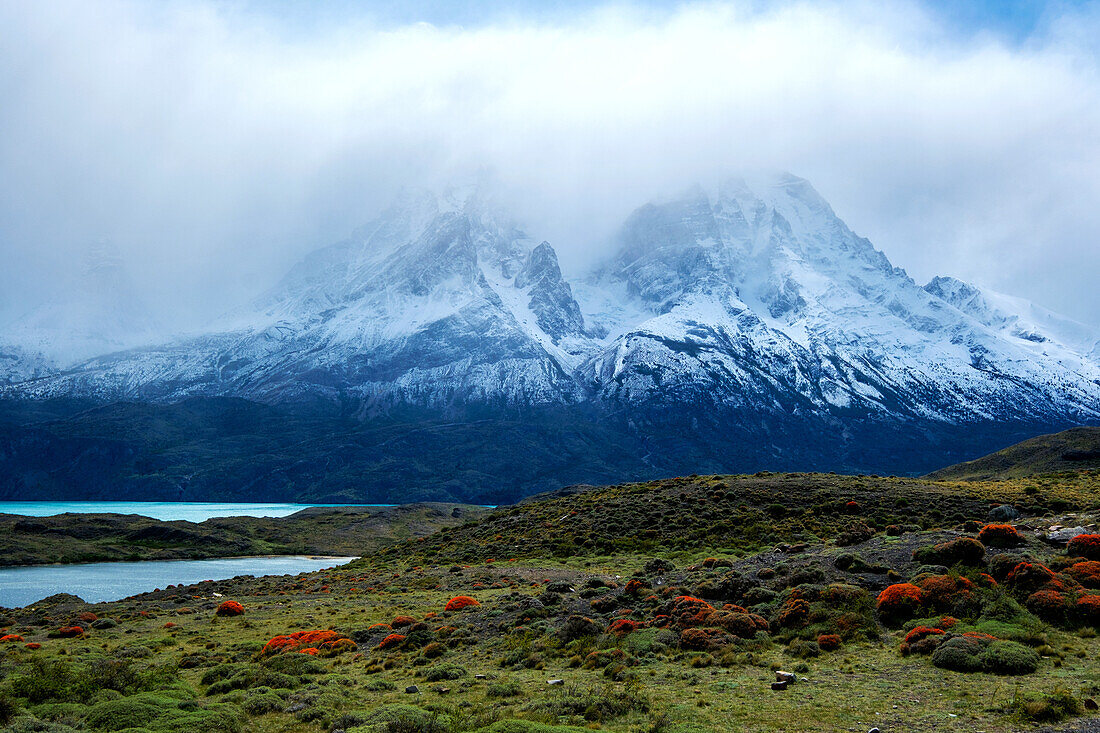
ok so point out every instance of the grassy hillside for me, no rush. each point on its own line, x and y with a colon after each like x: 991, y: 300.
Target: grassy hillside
x: 735, y: 514
x: 318, y: 531
x: 1076, y: 449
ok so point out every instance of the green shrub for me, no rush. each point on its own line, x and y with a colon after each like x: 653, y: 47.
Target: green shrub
x: 526, y: 726
x: 63, y: 712
x: 1050, y: 707
x: 959, y: 654
x: 1009, y: 658
x: 261, y: 700
x: 139, y: 711
x: 294, y: 664
x: 399, y: 718
x: 444, y: 672
x: 45, y: 680
x: 8, y: 708
x: 503, y: 689
x: 962, y: 551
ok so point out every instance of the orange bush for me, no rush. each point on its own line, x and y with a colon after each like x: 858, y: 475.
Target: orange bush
x: 623, y: 626
x: 11, y: 637
x: 793, y: 613
x: 739, y: 622
x: 87, y: 617
x: 634, y: 587
x: 828, y: 642
x: 899, y: 601
x: 33, y: 645
x: 703, y: 639
x: 947, y: 622
x: 1088, y: 609
x: 1086, y: 573
x: 1029, y: 577
x: 942, y: 591
x: 1000, y: 535
x: 301, y: 640
x: 1085, y: 545
x: 70, y: 631
x: 391, y: 641
x: 1048, y: 604
x: 400, y: 621
x: 379, y: 627
x: 690, y: 611
x: 308, y: 650
x: 459, y: 602
x: 920, y: 632
x: 229, y: 608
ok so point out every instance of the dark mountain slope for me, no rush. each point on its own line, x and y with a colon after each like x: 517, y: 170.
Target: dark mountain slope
x: 1070, y: 450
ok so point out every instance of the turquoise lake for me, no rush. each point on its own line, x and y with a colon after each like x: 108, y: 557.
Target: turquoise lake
x: 110, y: 581
x: 162, y: 510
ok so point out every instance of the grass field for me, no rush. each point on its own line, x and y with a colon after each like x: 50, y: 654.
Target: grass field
x: 665, y: 606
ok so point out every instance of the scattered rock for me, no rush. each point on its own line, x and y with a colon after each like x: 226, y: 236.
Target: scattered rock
x: 779, y: 686
x: 1003, y: 513
x: 555, y: 682
x: 787, y: 677
x: 874, y: 730
x: 1058, y: 535
x: 412, y: 689
x: 481, y: 676
x: 1090, y: 704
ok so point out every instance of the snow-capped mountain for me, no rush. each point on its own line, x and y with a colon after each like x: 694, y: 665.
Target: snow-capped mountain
x: 751, y: 300
x: 438, y: 301
x: 761, y: 299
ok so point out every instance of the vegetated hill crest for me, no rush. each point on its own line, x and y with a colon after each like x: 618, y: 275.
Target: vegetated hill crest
x: 1076, y: 449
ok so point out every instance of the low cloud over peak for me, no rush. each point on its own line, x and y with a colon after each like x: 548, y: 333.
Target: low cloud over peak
x: 215, y: 144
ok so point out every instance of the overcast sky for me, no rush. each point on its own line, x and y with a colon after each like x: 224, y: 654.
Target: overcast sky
x: 216, y: 142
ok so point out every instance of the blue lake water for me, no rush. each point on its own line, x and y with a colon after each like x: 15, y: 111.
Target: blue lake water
x: 162, y: 510
x: 110, y: 581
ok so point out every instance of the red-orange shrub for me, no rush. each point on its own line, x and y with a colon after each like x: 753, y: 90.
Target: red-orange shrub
x: 919, y: 632
x: 1085, y: 545
x: 391, y: 641
x: 458, y: 603
x: 11, y: 637
x: 301, y: 640
x: 634, y: 587
x: 1027, y: 578
x: 704, y: 639
x: 33, y: 645
x: 899, y: 601
x: 828, y: 642
x: 793, y: 613
x: 379, y: 627
x: 1086, y: 573
x: 623, y: 626
x: 1000, y: 535
x: 1088, y: 609
x: 1047, y: 604
x: 87, y: 617
x: 400, y: 621
x: 229, y: 608
x: 942, y: 591
x: 308, y: 650
x: 70, y: 631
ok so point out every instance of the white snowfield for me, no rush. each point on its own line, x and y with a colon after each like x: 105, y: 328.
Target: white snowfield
x: 753, y: 297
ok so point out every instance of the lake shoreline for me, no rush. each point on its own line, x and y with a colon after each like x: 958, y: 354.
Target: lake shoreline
x: 95, y: 583
x: 341, y: 531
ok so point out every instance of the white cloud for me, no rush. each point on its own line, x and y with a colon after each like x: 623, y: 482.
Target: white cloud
x: 215, y: 145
